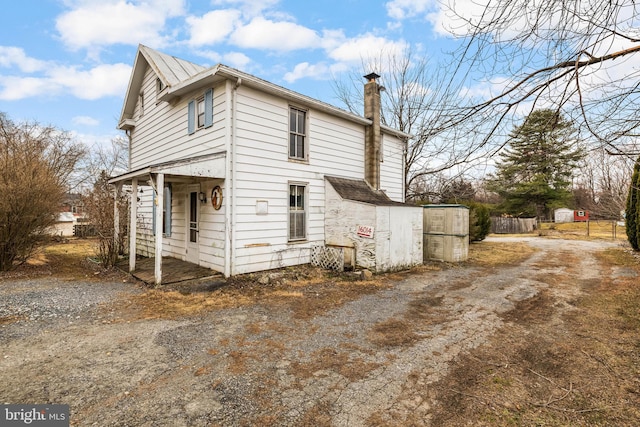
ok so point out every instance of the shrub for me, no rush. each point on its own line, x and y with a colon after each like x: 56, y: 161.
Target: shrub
x: 479, y: 221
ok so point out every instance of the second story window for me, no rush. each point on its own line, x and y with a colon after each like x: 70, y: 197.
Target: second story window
x: 200, y: 112
x: 200, y: 108
x: 297, y: 134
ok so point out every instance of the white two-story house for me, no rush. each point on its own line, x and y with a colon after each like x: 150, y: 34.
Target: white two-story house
x: 230, y: 172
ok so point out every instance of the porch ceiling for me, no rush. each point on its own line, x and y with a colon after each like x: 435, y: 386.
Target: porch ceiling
x: 207, y: 166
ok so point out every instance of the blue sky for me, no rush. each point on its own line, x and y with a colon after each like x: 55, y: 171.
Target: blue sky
x: 68, y: 62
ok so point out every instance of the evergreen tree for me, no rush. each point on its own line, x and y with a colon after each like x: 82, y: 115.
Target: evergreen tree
x: 632, y: 213
x: 534, y: 170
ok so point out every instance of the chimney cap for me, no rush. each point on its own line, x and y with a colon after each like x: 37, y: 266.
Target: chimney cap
x: 372, y: 77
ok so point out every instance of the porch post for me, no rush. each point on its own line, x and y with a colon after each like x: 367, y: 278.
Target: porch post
x: 116, y: 215
x: 133, y: 213
x: 159, y: 222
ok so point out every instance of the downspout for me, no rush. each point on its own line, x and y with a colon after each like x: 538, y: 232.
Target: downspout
x: 234, y: 106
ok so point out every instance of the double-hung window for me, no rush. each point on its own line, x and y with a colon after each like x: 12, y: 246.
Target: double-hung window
x: 297, y: 134
x: 200, y: 112
x: 297, y: 212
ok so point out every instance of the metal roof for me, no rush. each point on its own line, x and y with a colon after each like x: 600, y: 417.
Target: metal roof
x: 181, y: 77
x: 170, y: 70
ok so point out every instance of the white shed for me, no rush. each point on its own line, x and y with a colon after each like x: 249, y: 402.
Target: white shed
x: 377, y: 233
x: 563, y: 215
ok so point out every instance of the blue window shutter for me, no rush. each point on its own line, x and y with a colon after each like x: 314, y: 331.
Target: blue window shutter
x: 208, y: 108
x: 167, y: 210
x: 191, y: 117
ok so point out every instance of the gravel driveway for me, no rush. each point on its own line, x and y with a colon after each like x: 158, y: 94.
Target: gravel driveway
x: 366, y: 362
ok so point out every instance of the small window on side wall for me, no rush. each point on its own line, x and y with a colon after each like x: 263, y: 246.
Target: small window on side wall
x: 297, y: 134
x: 200, y: 112
x: 297, y: 212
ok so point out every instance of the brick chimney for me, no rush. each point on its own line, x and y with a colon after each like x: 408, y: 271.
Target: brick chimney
x: 372, y: 134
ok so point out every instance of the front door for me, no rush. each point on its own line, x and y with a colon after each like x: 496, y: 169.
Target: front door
x: 193, y: 214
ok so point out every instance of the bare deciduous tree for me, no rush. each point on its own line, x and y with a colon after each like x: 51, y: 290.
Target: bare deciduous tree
x: 602, y: 184
x: 35, y: 164
x: 99, y: 201
x: 419, y: 99
x: 578, y: 57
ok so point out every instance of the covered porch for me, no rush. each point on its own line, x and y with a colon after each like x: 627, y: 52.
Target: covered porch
x: 175, y: 271
x: 183, y: 171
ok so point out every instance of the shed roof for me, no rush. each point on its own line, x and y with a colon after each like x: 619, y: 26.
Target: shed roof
x: 359, y: 191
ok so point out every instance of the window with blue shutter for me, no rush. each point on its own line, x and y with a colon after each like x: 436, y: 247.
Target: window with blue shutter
x: 208, y: 108
x: 200, y: 112
x: 191, y: 117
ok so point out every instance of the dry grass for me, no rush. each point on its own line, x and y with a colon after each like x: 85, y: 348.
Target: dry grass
x: 581, y: 230
x: 494, y: 254
x: 69, y: 259
x: 393, y: 333
x: 552, y: 367
x: 306, y: 291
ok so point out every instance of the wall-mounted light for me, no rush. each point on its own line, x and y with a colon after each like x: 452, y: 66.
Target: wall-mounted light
x: 202, y: 197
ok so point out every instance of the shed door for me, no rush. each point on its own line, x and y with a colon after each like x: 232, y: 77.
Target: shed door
x: 193, y: 214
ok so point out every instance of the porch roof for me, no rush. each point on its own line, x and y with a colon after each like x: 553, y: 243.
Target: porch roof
x: 206, y: 166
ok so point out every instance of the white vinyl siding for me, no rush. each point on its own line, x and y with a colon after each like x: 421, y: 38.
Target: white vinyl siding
x: 161, y: 135
x: 264, y: 172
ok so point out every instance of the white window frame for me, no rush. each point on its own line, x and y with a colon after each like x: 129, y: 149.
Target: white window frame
x: 296, y: 132
x: 200, y: 112
x: 299, y: 210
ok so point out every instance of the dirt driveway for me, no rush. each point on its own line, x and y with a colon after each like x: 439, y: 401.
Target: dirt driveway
x: 463, y: 345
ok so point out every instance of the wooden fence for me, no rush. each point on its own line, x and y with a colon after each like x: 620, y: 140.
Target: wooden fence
x: 502, y: 225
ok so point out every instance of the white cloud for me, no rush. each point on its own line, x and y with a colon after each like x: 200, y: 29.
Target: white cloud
x: 13, y: 88
x: 304, y: 69
x: 365, y: 47
x: 100, y: 81
x: 236, y: 59
x: 233, y: 59
x: 85, y: 121
x: 262, y: 33
x: 250, y: 8
x: 11, y: 56
x: 213, y: 27
x: 403, y: 9
x: 104, y: 22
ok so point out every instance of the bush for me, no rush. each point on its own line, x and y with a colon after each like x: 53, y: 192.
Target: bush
x: 479, y: 221
x: 35, y: 165
x: 632, y: 213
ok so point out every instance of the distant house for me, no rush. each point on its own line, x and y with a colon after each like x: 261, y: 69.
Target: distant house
x: 70, y: 215
x: 231, y: 172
